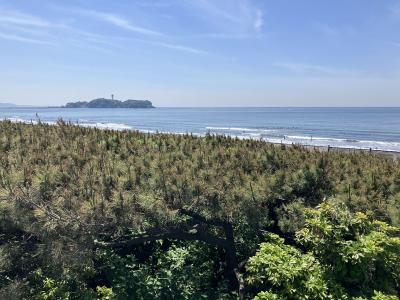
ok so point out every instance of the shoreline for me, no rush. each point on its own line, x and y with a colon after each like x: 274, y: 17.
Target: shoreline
x: 395, y: 155
x: 388, y: 154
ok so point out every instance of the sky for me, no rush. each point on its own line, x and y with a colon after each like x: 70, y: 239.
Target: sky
x: 201, y: 52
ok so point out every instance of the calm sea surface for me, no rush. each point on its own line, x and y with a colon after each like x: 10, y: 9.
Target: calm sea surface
x: 376, y: 128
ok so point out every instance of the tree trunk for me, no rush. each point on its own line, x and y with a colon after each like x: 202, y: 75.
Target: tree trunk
x: 227, y: 243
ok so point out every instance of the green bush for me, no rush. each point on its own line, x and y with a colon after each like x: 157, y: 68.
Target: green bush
x: 187, y: 212
x: 346, y: 255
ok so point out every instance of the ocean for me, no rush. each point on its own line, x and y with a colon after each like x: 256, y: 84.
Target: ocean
x: 359, y: 128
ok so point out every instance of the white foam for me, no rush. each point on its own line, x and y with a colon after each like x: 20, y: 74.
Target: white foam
x: 300, y: 137
x: 249, y: 133
x: 16, y: 120
x: 324, y: 141
x: 239, y: 129
x: 19, y: 120
x: 339, y: 143
x: 112, y: 126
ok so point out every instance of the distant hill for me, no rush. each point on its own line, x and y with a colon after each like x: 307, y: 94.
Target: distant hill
x: 110, y: 103
x: 7, y: 105
x: 11, y: 105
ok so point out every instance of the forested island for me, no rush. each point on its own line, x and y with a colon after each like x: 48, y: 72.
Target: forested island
x: 100, y: 214
x: 110, y: 103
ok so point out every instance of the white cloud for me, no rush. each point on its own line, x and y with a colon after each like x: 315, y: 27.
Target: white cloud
x: 179, y: 47
x: 22, y: 39
x: 18, y: 18
x: 115, y: 20
x: 311, y: 69
x: 259, y: 20
x: 337, y: 31
x: 168, y: 45
x: 210, y: 8
x: 21, y: 27
x: 156, y: 4
x: 395, y: 9
x: 121, y: 22
x: 231, y: 16
x: 226, y: 36
x: 122, y: 42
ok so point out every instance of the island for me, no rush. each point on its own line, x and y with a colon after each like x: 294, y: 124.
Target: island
x: 110, y: 103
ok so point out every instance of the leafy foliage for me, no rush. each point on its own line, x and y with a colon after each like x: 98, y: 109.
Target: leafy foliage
x: 347, y: 255
x: 181, y: 272
x: 89, y: 213
x: 362, y: 255
x: 285, y: 269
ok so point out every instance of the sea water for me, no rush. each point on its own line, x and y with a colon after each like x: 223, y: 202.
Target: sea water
x: 360, y: 128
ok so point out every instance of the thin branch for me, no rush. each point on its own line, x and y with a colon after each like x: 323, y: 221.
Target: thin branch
x: 172, y: 233
x: 200, y: 218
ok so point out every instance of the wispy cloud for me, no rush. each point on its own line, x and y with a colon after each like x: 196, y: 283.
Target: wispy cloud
x: 156, y: 4
x: 179, y: 47
x: 233, y: 16
x: 173, y: 46
x: 113, y: 41
x: 302, y: 68
x: 125, y: 42
x: 395, y: 9
x: 335, y: 31
x: 227, y: 36
x: 25, y: 28
x: 18, y: 18
x: 23, y: 39
x: 259, y: 20
x: 123, y: 23
x: 212, y: 8
x: 115, y: 20
x: 89, y: 36
x: 395, y: 44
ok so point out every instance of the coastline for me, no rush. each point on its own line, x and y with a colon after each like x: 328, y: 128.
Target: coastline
x: 382, y: 153
x: 394, y: 155
x: 388, y: 154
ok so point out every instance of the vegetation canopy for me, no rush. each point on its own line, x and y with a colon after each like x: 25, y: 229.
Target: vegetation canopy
x: 110, y: 103
x: 100, y: 214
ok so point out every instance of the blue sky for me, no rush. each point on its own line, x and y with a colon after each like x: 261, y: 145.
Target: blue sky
x: 202, y: 52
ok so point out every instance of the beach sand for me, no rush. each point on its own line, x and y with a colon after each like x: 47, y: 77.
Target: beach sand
x: 385, y: 154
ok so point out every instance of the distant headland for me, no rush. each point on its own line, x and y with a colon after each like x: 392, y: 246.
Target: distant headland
x: 110, y: 103
x: 7, y: 105
x: 12, y: 105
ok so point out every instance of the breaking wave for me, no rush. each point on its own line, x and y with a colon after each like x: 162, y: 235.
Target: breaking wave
x: 268, y: 135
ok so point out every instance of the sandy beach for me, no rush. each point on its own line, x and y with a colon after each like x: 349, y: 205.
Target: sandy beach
x: 386, y: 154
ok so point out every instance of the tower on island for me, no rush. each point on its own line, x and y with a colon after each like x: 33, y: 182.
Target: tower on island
x: 112, y: 96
